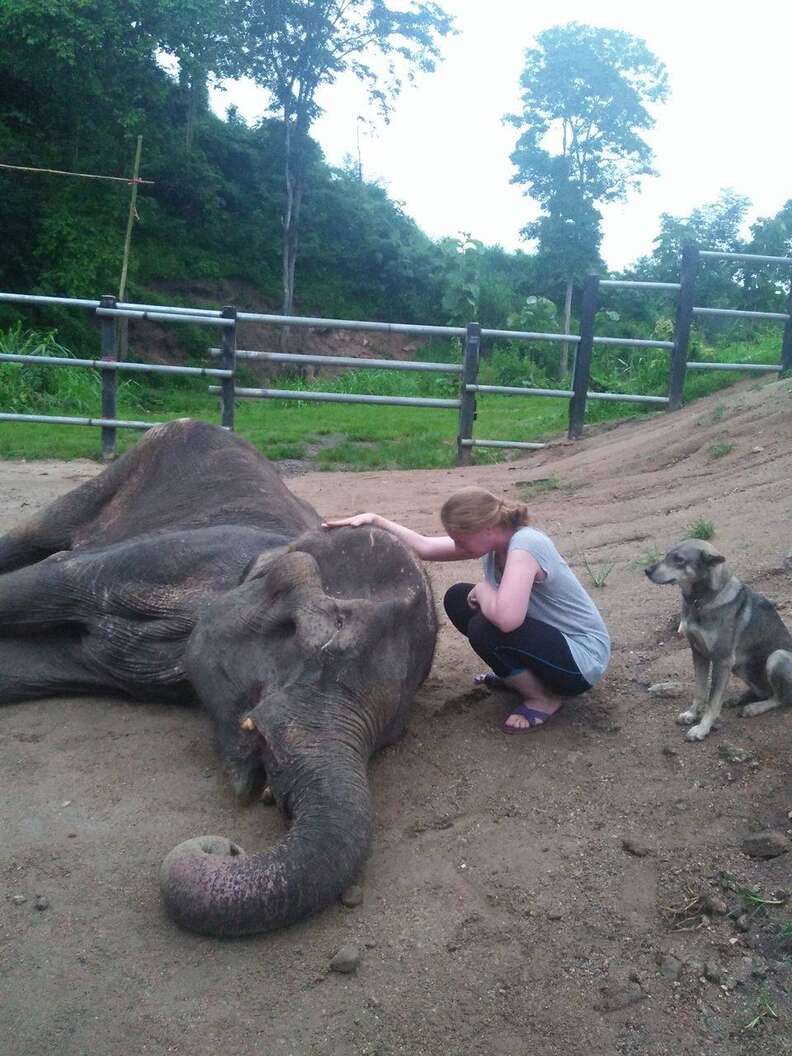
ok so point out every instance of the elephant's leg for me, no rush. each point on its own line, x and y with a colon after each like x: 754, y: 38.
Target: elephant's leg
x: 44, y: 666
x: 57, y: 526
x: 35, y: 598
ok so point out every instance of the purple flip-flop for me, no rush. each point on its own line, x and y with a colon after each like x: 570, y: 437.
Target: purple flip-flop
x: 535, y: 718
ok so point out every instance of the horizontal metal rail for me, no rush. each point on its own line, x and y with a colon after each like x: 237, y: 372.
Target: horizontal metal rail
x: 625, y: 397
x: 31, y: 298
x: 338, y: 397
x: 167, y: 309
x: 345, y: 361
x: 166, y: 317
x: 165, y: 314
x: 78, y: 302
x: 633, y: 342
x: 110, y: 364
x: 624, y: 284
x: 745, y: 256
x: 530, y: 335
x: 116, y: 423
x: 511, y: 390
x: 501, y: 443
x: 739, y: 313
x: 350, y: 324
x: 734, y: 366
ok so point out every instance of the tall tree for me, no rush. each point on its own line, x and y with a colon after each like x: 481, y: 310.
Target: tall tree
x: 204, y: 36
x: 585, y: 99
x: 294, y: 47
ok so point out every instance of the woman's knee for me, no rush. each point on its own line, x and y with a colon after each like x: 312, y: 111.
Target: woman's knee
x: 455, y: 602
x: 482, y: 634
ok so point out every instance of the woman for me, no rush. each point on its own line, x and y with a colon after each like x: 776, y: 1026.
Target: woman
x: 529, y: 618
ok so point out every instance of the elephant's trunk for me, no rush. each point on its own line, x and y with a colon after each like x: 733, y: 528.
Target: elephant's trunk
x: 211, y: 886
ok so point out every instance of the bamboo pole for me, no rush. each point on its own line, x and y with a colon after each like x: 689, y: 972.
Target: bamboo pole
x: 123, y: 324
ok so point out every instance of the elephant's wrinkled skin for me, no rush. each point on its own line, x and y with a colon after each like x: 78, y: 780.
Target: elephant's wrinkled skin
x: 187, y: 569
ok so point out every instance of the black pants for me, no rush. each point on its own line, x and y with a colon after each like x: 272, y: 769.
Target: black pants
x: 534, y: 645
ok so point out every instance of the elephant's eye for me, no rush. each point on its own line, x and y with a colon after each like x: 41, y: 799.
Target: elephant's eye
x: 285, y: 628
x: 339, y: 622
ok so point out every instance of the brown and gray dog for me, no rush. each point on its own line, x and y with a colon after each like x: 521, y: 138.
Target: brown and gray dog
x: 729, y: 628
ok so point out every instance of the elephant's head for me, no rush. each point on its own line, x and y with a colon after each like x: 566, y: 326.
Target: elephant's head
x: 306, y: 667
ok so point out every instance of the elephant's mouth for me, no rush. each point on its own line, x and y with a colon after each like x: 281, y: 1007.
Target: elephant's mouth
x: 246, y: 762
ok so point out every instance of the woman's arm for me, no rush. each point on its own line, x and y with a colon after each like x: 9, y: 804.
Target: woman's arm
x: 507, y: 605
x: 427, y: 547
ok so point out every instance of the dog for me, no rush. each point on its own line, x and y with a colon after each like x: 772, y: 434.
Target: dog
x: 729, y: 628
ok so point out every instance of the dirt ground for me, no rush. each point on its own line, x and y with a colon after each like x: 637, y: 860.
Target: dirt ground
x: 577, y: 890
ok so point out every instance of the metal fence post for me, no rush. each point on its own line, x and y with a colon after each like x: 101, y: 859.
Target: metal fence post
x: 228, y: 346
x: 107, y: 328
x: 582, y: 376
x: 786, y: 341
x: 467, y: 400
x: 684, y: 319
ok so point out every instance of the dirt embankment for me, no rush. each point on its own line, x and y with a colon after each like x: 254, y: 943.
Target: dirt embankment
x: 577, y: 891
x: 161, y: 343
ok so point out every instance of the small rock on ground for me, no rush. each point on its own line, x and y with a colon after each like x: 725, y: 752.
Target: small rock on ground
x: 632, y: 845
x: 768, y: 843
x: 353, y: 896
x: 665, y: 689
x: 616, y: 996
x: 732, y: 754
x: 670, y: 967
x: 347, y: 960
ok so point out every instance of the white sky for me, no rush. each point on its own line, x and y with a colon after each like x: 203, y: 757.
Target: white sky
x: 445, y: 154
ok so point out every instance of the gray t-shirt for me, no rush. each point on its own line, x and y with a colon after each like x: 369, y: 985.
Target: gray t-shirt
x: 560, y: 601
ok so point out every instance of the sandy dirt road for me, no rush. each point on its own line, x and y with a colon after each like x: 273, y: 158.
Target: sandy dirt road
x: 579, y: 891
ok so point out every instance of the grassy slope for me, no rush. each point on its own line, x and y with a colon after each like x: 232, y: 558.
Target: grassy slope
x: 354, y: 436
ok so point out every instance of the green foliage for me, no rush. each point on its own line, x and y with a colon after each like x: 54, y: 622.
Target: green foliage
x: 588, y: 89
x: 586, y: 93
x: 28, y: 388
x: 701, y: 529
x: 719, y: 449
x: 598, y: 573
x: 462, y: 294
x: 294, y: 48
x: 715, y: 225
x: 528, y: 490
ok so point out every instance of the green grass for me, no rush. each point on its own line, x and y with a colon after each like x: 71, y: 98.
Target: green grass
x: 346, y: 436
x: 765, y: 1009
x: 527, y: 490
x: 721, y: 448
x: 647, y: 557
x: 598, y: 573
x: 701, y: 529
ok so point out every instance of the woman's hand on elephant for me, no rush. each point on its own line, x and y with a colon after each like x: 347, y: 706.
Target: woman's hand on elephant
x: 357, y: 521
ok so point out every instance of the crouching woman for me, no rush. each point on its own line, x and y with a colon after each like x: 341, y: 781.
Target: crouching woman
x: 529, y: 618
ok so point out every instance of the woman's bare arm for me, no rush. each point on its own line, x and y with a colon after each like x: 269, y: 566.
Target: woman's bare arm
x: 427, y: 547
x: 506, y: 605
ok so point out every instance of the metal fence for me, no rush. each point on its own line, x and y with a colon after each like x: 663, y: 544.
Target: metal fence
x: 228, y: 320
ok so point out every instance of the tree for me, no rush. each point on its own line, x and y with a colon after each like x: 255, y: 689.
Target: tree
x: 203, y: 36
x: 715, y: 225
x: 568, y: 238
x: 294, y: 47
x: 585, y: 97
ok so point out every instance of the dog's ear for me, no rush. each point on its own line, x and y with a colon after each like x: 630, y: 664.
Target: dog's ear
x: 713, y: 559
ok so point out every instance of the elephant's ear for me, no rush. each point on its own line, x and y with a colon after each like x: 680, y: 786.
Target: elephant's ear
x: 260, y: 565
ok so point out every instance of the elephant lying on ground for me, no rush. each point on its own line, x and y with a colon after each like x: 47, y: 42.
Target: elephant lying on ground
x: 188, y: 570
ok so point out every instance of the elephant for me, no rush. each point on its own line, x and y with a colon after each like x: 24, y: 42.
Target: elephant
x: 187, y: 571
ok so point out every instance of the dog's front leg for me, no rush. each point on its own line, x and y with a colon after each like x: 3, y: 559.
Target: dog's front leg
x: 721, y: 669
x: 701, y: 670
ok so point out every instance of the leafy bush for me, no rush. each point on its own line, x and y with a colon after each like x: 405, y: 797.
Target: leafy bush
x: 29, y: 388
